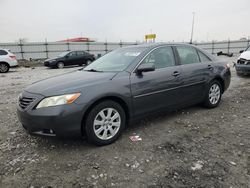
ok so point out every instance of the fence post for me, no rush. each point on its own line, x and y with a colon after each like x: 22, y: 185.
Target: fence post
x: 106, y: 46
x: 21, y: 48
x: 88, y: 47
x: 120, y: 43
x: 68, y: 46
x: 46, y: 49
x: 228, y: 46
x: 212, y: 47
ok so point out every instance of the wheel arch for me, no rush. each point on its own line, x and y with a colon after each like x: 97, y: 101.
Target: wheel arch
x: 221, y: 81
x: 114, y: 98
x: 4, y: 62
x: 60, y: 61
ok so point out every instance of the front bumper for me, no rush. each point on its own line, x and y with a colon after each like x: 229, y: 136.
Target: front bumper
x: 61, y: 121
x: 243, y: 69
x: 49, y: 63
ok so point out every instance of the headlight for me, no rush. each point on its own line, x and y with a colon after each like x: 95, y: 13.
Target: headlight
x: 58, y: 100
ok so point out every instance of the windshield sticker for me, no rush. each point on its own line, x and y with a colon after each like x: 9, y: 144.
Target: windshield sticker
x: 132, y: 54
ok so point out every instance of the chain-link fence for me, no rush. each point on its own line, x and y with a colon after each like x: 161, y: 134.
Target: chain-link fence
x: 39, y: 50
x: 43, y: 50
x: 224, y: 46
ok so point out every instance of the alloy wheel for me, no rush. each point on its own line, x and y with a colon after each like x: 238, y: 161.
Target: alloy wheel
x: 60, y: 65
x: 214, y: 93
x: 3, y: 67
x: 88, y: 62
x: 107, y: 123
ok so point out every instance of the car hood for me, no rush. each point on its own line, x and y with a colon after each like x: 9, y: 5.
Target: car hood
x: 54, y: 58
x: 245, y: 55
x: 67, y: 83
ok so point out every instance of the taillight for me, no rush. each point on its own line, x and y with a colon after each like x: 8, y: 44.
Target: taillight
x: 13, y: 57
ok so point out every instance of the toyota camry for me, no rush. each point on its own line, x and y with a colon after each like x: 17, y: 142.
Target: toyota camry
x: 125, y: 84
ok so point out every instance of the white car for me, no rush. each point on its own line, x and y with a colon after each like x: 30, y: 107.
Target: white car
x: 243, y: 63
x: 7, y: 60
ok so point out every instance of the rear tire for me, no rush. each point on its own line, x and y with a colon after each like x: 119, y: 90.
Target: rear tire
x: 88, y: 62
x: 4, y: 67
x: 213, y: 94
x: 104, y: 123
x: 60, y: 65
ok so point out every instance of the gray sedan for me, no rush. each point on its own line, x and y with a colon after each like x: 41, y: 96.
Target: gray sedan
x: 125, y: 84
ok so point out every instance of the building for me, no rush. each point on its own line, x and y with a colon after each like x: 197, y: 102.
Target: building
x: 79, y: 39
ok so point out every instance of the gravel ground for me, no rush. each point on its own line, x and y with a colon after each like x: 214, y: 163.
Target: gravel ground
x: 193, y: 147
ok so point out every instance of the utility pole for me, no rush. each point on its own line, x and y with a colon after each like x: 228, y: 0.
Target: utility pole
x: 192, y: 32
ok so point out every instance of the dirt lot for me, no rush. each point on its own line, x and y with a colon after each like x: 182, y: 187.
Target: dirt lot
x: 193, y: 147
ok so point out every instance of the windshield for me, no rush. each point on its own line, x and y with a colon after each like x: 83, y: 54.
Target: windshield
x: 248, y: 49
x: 115, y: 61
x: 63, y: 54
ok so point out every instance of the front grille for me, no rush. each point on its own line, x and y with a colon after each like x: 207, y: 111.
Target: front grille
x: 244, y: 62
x: 24, y: 102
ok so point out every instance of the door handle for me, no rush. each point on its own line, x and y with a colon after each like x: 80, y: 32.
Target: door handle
x: 175, y: 73
x: 210, y: 67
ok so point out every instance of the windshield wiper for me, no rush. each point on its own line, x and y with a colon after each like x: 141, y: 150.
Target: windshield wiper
x: 93, y: 70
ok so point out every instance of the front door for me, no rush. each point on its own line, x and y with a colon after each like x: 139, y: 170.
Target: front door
x: 157, y: 89
x: 71, y: 59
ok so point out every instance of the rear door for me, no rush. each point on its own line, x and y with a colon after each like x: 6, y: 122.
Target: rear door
x: 195, y: 68
x: 81, y: 57
x: 157, y: 89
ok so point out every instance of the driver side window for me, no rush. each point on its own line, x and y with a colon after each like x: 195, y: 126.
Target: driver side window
x: 161, y: 57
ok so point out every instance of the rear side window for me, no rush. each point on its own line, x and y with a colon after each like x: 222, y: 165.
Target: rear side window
x: 161, y: 57
x: 203, y: 57
x: 188, y: 55
x: 3, y: 52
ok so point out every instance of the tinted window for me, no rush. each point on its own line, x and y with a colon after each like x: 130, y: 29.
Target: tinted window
x: 188, y: 55
x: 72, y: 54
x: 161, y: 57
x: 2, y: 52
x: 63, y: 54
x: 79, y: 53
x: 203, y: 57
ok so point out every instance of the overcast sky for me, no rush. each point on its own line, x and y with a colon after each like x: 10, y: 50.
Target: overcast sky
x: 126, y: 20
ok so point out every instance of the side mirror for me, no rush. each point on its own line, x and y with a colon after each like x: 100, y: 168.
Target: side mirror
x: 145, y: 67
x: 241, y: 51
x: 67, y: 56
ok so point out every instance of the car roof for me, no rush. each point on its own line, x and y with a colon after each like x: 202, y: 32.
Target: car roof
x: 151, y: 46
x: 158, y: 44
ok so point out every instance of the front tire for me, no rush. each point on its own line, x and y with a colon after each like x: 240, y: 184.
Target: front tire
x: 213, y: 94
x: 4, y: 68
x: 60, y: 65
x: 105, y: 123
